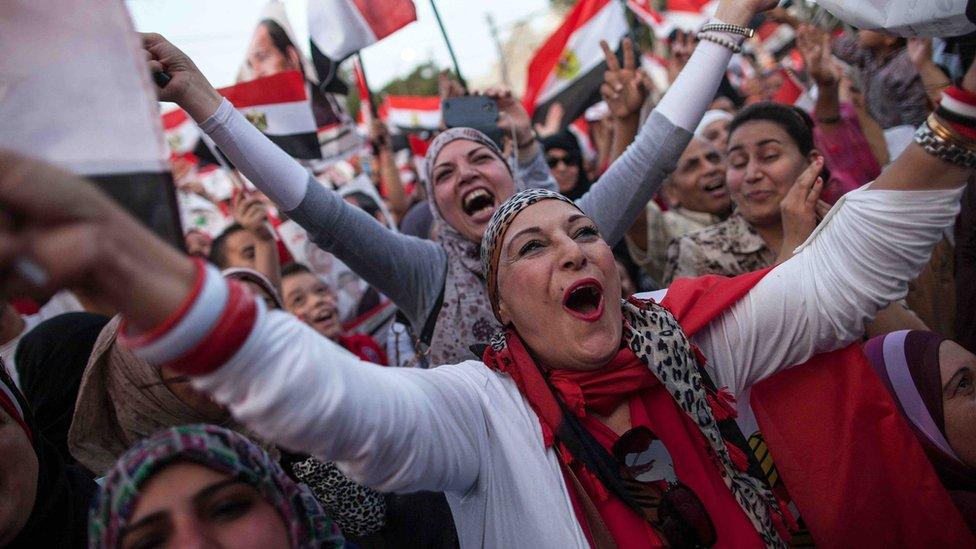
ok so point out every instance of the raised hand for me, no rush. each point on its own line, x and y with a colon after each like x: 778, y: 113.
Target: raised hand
x: 448, y: 86
x: 553, y: 122
x: 512, y: 116
x: 623, y: 87
x: 741, y: 12
x: 814, y: 45
x: 680, y: 51
x: 801, y: 208
x: 920, y: 51
x: 251, y: 212
x: 79, y: 238
x: 188, y: 87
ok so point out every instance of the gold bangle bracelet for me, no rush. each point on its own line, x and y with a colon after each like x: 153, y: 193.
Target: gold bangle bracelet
x: 946, y: 133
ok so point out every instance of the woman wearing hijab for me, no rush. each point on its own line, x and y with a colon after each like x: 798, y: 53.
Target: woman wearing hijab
x: 202, y: 483
x: 588, y: 421
x: 123, y: 399
x: 439, y: 286
x: 933, y: 382
x: 43, y: 502
x: 51, y: 359
x: 565, y: 161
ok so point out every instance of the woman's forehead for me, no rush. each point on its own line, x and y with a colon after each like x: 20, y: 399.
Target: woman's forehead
x: 754, y: 132
x: 544, y: 214
x: 454, y: 149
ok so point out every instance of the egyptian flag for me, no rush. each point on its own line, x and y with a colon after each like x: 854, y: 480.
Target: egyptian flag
x: 850, y: 462
x: 569, y: 66
x: 338, y: 28
x: 411, y: 113
x: 776, y: 38
x: 116, y: 138
x: 689, y: 14
x: 365, y: 96
x: 278, y: 105
x: 792, y: 92
x: 182, y: 133
x: 657, y: 22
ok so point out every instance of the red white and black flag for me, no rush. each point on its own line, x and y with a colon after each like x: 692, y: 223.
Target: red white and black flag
x: 339, y: 28
x: 105, y: 125
x: 278, y: 105
x: 411, y: 113
x: 569, y: 66
x: 182, y: 133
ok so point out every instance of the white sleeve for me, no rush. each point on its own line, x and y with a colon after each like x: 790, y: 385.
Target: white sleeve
x: 694, y: 89
x: 278, y: 175
x: 857, y: 261
x: 394, y: 429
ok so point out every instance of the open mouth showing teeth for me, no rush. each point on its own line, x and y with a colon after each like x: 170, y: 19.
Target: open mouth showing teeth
x: 323, y: 317
x: 584, y: 300
x: 714, y: 186
x: 476, y: 201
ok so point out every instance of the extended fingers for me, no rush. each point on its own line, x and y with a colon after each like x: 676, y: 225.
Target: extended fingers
x: 609, y: 56
x: 628, y: 47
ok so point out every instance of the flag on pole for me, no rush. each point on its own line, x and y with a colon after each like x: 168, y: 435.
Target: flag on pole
x: 118, y: 140
x: 569, y: 66
x: 278, y: 105
x: 338, y: 28
x: 411, y: 113
x: 365, y: 97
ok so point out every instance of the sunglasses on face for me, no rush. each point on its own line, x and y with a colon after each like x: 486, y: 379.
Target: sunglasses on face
x: 569, y: 161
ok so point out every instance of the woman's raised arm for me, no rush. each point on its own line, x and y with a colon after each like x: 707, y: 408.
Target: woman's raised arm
x: 408, y: 270
x: 395, y: 428
x: 621, y: 193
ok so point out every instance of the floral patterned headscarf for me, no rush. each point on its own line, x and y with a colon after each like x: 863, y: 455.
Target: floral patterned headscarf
x: 221, y: 450
x: 465, y: 315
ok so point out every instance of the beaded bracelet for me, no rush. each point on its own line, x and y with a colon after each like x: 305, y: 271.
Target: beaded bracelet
x: 731, y: 29
x: 724, y: 42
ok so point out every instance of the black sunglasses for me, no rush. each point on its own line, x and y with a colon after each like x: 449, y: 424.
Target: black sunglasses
x: 553, y: 161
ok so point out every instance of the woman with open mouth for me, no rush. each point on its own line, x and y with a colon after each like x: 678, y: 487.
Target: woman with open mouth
x: 439, y: 286
x: 589, y: 421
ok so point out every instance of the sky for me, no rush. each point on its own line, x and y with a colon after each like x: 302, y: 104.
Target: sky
x: 215, y: 33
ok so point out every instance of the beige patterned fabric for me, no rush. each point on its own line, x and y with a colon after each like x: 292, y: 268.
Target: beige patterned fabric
x: 662, y: 228
x: 729, y: 248
x: 122, y: 400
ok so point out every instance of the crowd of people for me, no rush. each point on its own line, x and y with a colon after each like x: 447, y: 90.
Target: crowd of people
x: 712, y: 318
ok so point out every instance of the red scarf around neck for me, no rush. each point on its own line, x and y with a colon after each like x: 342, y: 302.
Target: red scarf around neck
x: 604, y: 389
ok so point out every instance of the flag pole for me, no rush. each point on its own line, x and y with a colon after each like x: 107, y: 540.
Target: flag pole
x: 450, y: 49
x: 369, y: 91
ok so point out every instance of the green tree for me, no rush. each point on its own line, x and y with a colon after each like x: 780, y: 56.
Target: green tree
x: 421, y: 81
x: 562, y: 4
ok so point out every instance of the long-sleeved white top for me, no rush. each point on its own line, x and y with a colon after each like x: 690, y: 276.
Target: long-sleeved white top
x: 467, y: 431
